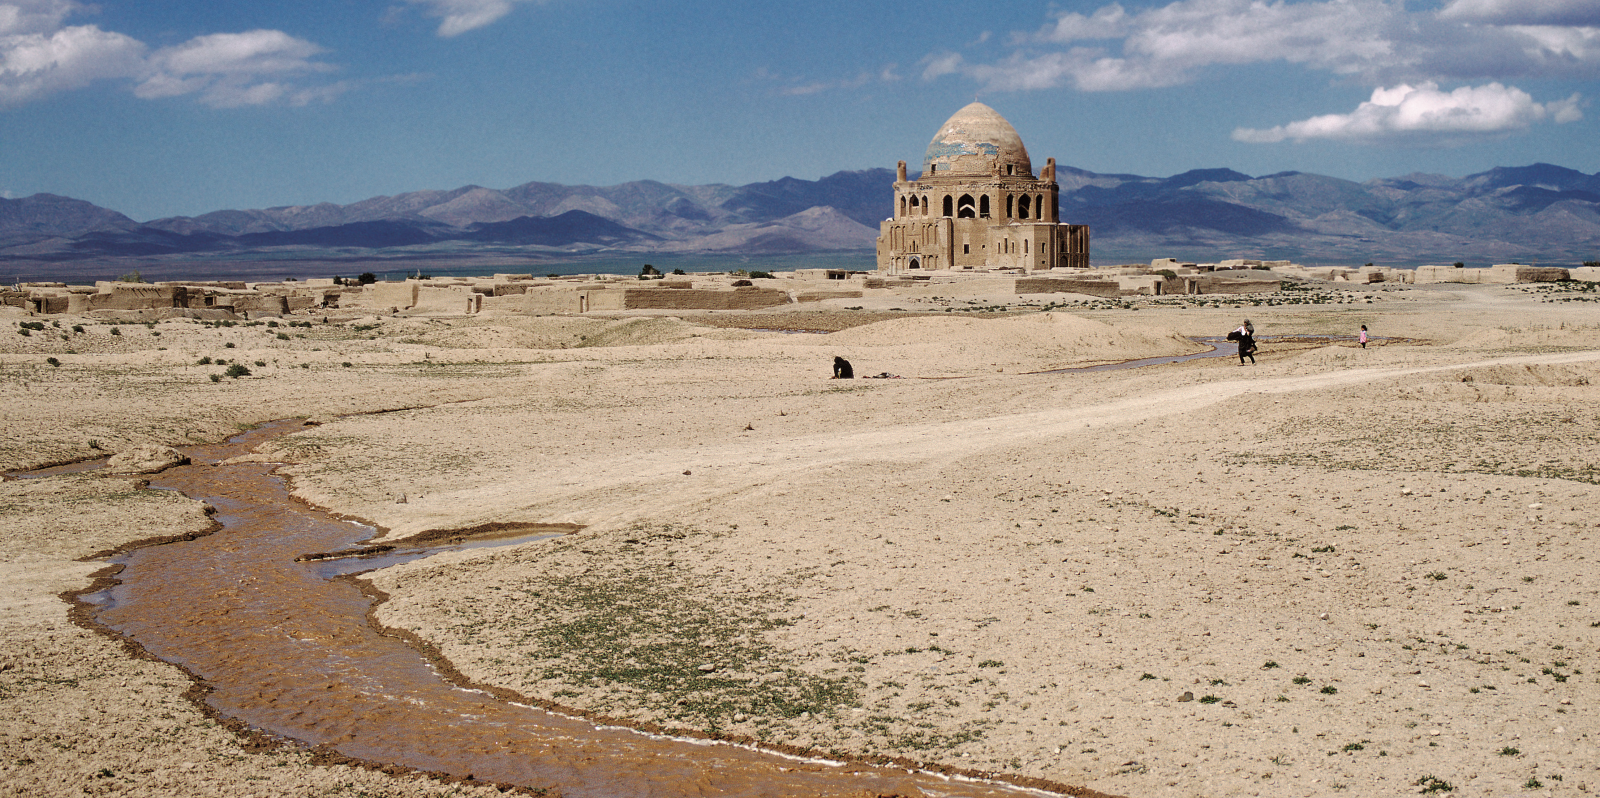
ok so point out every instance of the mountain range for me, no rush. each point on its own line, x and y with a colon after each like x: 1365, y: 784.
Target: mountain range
x: 1537, y: 213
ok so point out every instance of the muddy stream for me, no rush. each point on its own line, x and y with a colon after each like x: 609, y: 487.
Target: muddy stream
x: 287, y: 648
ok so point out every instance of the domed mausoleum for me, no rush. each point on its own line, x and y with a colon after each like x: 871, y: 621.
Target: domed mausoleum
x: 977, y: 205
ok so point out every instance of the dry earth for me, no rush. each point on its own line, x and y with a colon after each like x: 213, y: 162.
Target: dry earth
x: 1340, y: 570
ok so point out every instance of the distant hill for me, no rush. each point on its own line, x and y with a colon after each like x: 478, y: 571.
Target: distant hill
x: 1536, y: 213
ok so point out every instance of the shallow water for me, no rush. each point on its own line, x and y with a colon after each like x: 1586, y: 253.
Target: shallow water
x: 288, y: 650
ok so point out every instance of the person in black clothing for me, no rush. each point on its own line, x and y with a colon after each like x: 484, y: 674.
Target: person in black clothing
x: 1246, y: 336
x: 842, y: 370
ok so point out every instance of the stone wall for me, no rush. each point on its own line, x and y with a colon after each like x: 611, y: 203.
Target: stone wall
x: 1499, y: 274
x: 819, y: 295
x: 1101, y: 287
x: 261, y: 305
x: 701, y: 299
x: 1215, y: 284
x: 137, y: 296
x: 1540, y: 274
x: 392, y: 295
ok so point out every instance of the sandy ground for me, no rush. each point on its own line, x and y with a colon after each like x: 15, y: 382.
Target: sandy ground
x: 1339, y: 570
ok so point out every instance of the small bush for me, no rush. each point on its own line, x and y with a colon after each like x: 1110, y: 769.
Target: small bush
x: 283, y: 336
x: 205, y: 361
x: 1431, y: 784
x: 116, y: 330
x: 53, y: 361
x: 228, y: 345
x: 216, y: 378
x: 77, y: 328
x: 347, y: 364
x: 238, y: 370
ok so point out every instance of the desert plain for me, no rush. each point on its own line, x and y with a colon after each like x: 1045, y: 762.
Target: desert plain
x: 1336, y: 571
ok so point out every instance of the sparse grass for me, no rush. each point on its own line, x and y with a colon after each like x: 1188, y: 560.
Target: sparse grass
x: 657, y: 640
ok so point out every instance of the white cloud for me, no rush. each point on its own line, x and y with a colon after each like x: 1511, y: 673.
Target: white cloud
x: 1377, y: 42
x: 1425, y: 113
x: 40, y: 56
x: 19, y: 17
x: 228, y: 70
x: 941, y: 64
x: 459, y: 16
x: 1583, y: 13
x: 34, y: 65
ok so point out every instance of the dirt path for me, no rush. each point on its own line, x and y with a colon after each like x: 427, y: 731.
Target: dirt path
x: 614, y: 491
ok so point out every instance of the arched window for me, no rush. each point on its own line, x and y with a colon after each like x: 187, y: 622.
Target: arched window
x: 916, y: 263
x: 949, y: 205
x: 1038, y: 204
x: 913, y: 200
x: 925, y: 205
x: 1010, y: 206
x: 903, y: 205
x: 1024, y: 246
x: 965, y: 207
x: 983, y: 206
x: 1022, y: 207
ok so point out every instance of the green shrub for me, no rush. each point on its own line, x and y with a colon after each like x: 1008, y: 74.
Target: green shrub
x: 238, y: 370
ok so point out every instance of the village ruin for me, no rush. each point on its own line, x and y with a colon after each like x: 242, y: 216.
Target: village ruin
x: 977, y: 212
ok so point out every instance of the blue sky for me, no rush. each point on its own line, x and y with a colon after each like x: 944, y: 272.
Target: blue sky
x: 170, y: 107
